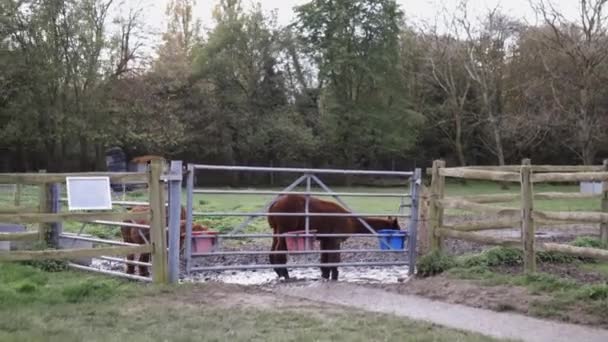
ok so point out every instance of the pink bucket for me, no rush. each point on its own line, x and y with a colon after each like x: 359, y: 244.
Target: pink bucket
x: 203, y: 242
x: 298, y: 243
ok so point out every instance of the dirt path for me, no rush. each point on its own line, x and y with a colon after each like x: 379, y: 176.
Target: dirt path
x: 490, y: 323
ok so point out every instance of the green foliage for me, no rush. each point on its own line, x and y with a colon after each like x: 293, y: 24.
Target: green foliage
x: 497, y: 256
x: 434, y: 263
x: 593, y: 292
x: 590, y: 242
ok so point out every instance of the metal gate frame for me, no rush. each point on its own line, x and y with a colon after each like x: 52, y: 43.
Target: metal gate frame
x: 307, y: 175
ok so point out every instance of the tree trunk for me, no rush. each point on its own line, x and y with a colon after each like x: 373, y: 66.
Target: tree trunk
x: 100, y: 157
x: 84, y: 153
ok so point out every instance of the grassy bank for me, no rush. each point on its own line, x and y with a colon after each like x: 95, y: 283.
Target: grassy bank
x: 69, y: 306
x: 563, y: 286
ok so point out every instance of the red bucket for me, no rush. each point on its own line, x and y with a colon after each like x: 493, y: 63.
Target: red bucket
x: 203, y: 241
x: 298, y: 243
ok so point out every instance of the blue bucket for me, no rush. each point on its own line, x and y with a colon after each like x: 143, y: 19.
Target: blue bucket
x: 395, y: 239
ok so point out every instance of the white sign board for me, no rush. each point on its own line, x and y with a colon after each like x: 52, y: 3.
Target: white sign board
x: 89, y: 193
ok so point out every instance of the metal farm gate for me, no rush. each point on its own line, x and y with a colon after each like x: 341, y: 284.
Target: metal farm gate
x: 307, y: 178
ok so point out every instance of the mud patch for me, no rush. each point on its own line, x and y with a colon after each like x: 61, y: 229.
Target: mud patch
x: 369, y: 275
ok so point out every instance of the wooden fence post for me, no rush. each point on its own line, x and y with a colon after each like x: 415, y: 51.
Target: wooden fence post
x: 158, y: 223
x: 44, y: 207
x: 527, y: 222
x: 604, y: 226
x: 435, y: 210
x: 423, y: 222
x: 18, y: 192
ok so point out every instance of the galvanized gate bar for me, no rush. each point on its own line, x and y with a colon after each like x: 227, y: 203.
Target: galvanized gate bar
x: 302, y: 170
x: 308, y: 175
x: 262, y: 214
x: 175, y: 201
x: 302, y: 193
x: 96, y: 240
x: 268, y: 205
x: 312, y: 251
x: 125, y: 261
x: 415, y: 183
x: 113, y: 273
x: 365, y: 224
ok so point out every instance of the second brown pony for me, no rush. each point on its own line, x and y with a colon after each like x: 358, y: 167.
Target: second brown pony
x: 322, y: 225
x: 139, y: 236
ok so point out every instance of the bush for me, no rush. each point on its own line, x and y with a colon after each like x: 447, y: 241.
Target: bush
x: 587, y: 241
x: 497, y: 256
x: 555, y: 257
x: 593, y: 292
x: 434, y: 263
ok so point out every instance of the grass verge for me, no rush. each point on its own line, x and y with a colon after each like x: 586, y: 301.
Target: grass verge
x: 73, y: 306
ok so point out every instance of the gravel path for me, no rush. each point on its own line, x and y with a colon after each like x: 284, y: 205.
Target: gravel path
x: 490, y: 323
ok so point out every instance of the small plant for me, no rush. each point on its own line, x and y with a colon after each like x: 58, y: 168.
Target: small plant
x: 434, y: 263
x: 497, y: 256
x: 593, y: 292
x: 555, y: 257
x: 590, y: 242
x: 46, y: 265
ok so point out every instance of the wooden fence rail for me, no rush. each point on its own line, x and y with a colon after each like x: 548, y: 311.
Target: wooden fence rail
x: 48, y: 215
x: 524, y: 216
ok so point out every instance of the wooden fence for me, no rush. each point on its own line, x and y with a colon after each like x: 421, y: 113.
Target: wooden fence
x: 44, y: 215
x: 525, y: 216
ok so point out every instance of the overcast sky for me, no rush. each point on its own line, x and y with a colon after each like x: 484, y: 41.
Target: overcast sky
x: 414, y: 9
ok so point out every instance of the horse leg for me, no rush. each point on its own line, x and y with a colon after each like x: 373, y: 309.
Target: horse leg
x: 143, y: 270
x: 324, y: 259
x: 130, y: 267
x: 334, y: 258
x: 281, y: 258
x: 272, y: 257
x: 126, y: 237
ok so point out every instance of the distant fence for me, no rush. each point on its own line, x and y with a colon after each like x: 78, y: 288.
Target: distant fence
x: 526, y: 175
x: 48, y: 217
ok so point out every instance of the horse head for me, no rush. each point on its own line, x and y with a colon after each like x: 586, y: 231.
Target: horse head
x: 393, y: 223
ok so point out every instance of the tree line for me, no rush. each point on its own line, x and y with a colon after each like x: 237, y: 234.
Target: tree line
x: 347, y: 84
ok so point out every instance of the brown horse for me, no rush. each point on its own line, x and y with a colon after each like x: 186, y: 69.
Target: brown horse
x: 322, y: 225
x: 140, y: 235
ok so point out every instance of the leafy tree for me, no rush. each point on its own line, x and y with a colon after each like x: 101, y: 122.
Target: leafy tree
x: 355, y: 45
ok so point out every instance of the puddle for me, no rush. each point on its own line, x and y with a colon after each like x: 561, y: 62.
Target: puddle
x: 385, y: 275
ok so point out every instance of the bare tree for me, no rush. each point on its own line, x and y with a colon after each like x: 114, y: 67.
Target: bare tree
x: 575, y: 64
x: 446, y: 55
x: 487, y: 48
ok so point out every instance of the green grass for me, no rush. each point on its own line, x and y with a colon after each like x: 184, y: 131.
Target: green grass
x: 71, y: 306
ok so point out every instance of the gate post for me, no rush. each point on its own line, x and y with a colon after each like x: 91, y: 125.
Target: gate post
x: 189, y: 218
x: 175, y: 204
x: 157, y: 222
x: 527, y: 221
x: 435, y: 210
x: 415, y: 182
